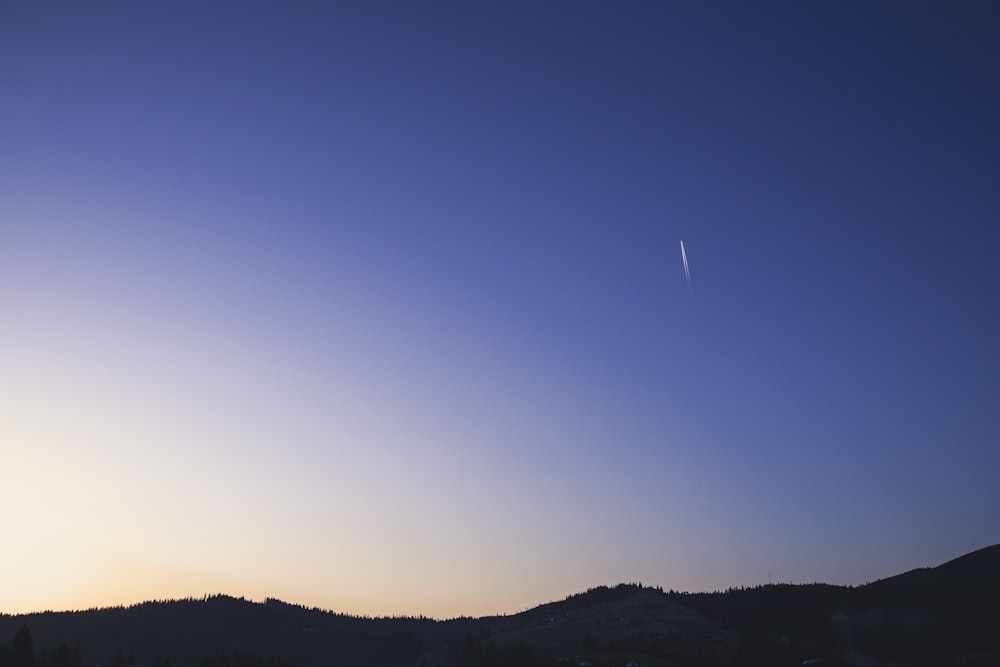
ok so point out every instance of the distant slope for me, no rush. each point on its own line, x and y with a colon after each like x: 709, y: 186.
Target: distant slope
x: 949, y: 614
x: 979, y: 568
x: 617, y: 625
x: 939, y: 612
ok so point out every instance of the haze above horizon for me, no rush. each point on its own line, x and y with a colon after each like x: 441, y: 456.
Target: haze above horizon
x: 378, y: 307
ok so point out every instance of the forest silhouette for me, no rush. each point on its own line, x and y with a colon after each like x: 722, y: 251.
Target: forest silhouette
x: 932, y: 616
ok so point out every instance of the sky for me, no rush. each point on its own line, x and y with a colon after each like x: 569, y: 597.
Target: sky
x: 380, y: 306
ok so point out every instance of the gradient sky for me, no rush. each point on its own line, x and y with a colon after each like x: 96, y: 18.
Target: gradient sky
x: 379, y: 306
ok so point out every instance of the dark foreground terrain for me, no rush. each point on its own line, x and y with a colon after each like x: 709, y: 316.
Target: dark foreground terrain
x: 947, y: 615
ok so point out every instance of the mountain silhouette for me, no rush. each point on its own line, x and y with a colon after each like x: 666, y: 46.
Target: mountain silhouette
x: 945, y: 615
x: 979, y: 568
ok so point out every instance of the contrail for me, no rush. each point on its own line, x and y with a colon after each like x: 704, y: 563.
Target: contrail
x: 687, y: 271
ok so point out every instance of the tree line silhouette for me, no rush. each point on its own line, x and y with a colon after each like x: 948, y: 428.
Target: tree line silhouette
x: 930, y: 617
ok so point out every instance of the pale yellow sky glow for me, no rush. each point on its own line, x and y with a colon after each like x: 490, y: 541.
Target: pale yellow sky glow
x: 150, y: 466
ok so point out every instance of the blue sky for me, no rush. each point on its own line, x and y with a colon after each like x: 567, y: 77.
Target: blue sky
x: 380, y: 306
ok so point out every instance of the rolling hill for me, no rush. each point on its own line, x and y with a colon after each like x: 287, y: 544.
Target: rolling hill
x: 946, y: 615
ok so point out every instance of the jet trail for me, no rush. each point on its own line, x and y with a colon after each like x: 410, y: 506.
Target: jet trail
x: 687, y: 271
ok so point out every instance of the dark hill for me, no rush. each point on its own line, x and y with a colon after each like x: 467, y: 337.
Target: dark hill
x: 946, y: 615
x: 617, y: 625
x: 979, y: 568
x: 191, y: 631
x: 931, y: 616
